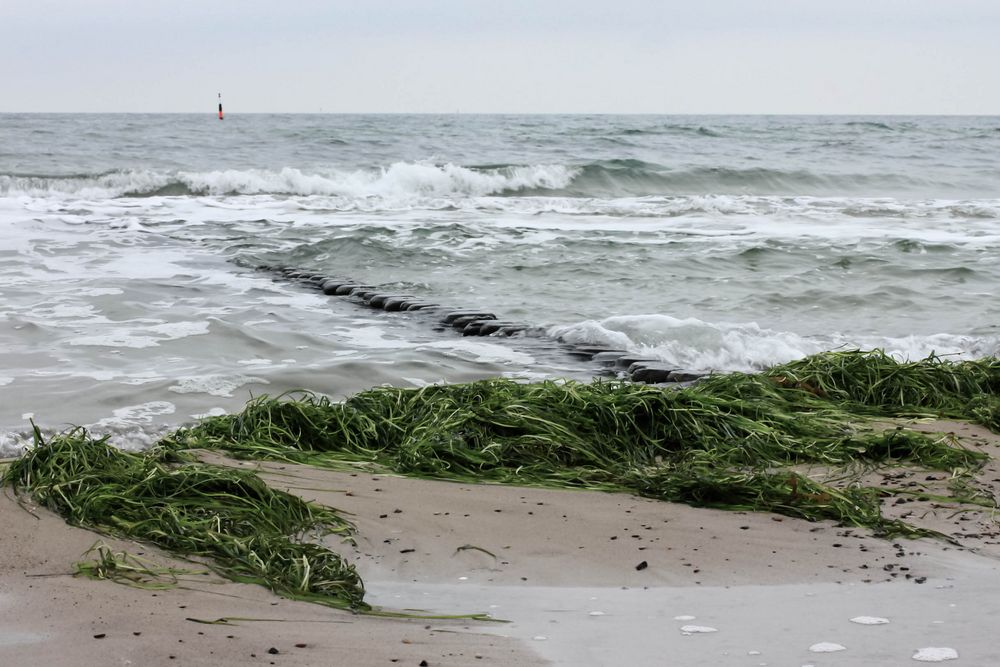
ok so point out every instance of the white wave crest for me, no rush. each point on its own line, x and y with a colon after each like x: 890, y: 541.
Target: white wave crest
x: 400, y: 180
x: 694, y: 344
x: 102, y: 186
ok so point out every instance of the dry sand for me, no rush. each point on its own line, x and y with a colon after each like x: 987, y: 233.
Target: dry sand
x: 584, y: 578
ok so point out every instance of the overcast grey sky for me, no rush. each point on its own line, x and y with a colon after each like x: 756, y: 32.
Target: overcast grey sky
x: 614, y: 56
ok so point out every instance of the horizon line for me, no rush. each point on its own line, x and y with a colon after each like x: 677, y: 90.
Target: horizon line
x: 214, y: 112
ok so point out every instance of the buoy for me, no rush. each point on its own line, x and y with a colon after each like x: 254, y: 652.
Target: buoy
x: 220, y: 106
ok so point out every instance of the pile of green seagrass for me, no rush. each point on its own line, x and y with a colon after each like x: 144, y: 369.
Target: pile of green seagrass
x: 243, y: 528
x: 729, y: 441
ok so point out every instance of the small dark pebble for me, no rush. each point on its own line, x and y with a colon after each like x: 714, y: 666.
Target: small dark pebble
x: 301, y: 645
x: 100, y: 636
x: 406, y: 551
x: 423, y: 663
x: 273, y: 651
x: 642, y: 566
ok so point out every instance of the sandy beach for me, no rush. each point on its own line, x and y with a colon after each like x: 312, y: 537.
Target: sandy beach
x: 580, y: 577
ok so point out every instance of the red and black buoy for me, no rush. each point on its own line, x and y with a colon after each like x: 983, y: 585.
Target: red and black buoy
x: 220, y: 106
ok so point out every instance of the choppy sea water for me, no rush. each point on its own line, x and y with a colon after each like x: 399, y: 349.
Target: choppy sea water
x: 128, y: 301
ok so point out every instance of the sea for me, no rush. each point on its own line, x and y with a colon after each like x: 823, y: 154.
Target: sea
x: 132, y: 298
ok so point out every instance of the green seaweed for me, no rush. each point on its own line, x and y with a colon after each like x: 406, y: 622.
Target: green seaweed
x: 730, y: 441
x: 129, y: 569
x: 249, y: 531
x: 720, y: 443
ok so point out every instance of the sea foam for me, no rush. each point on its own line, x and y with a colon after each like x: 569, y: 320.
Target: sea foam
x: 695, y: 344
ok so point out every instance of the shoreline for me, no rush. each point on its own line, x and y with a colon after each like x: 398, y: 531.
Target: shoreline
x: 814, y: 498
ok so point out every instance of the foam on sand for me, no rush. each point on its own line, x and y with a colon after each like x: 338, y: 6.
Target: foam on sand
x: 697, y: 629
x: 827, y: 647
x: 869, y: 620
x: 935, y: 654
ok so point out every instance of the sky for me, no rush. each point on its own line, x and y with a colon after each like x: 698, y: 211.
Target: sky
x: 502, y: 56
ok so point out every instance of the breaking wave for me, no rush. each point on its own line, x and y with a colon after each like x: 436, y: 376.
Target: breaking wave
x: 601, y: 179
x: 694, y: 344
x: 398, y: 180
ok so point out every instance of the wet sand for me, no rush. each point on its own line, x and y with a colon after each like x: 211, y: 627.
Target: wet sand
x: 48, y: 617
x: 583, y: 577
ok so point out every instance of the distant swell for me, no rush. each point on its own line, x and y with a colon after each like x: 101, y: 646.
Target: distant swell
x: 402, y: 180
x: 635, y: 178
x: 870, y: 125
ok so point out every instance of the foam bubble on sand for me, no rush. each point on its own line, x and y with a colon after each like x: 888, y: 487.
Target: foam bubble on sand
x: 869, y: 620
x: 695, y: 629
x: 935, y: 654
x: 684, y: 618
x: 827, y: 647
x: 5, y: 380
x: 597, y: 613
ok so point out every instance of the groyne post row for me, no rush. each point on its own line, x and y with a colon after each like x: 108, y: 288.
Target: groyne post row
x: 477, y: 322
